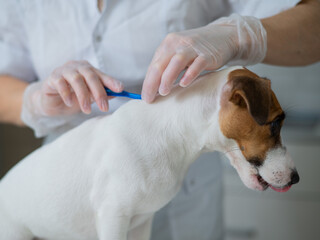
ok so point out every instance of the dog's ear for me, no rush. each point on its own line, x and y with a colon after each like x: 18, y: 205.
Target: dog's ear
x: 251, y: 92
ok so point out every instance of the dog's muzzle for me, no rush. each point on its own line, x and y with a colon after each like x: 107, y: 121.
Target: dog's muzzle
x: 294, y: 180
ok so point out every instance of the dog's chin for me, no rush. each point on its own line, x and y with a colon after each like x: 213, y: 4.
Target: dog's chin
x: 256, y: 182
x: 260, y: 184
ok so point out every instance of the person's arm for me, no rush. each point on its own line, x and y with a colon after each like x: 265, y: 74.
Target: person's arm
x: 293, y: 36
x: 11, y: 95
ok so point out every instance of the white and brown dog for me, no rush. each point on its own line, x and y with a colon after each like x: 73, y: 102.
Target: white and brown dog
x: 106, y: 178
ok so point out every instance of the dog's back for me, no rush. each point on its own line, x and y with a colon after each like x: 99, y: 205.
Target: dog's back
x: 56, y: 185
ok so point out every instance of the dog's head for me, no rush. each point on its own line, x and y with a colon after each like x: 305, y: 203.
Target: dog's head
x: 252, y: 117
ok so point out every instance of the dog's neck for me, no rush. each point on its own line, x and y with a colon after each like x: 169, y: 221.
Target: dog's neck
x: 188, y: 118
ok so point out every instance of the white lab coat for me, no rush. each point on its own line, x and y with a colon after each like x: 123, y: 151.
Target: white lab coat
x: 38, y: 36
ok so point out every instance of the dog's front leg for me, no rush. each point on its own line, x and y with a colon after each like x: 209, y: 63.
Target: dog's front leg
x: 142, y: 232
x: 112, y: 223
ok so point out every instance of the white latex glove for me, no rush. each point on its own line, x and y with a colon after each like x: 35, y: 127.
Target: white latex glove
x: 233, y: 40
x: 69, y: 89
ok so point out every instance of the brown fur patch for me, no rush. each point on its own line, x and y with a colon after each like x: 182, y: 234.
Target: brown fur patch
x: 248, y: 106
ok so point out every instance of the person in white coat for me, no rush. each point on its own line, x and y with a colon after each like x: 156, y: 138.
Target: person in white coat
x: 57, y: 57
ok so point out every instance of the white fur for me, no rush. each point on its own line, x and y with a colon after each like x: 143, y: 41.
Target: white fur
x: 106, y: 178
x: 277, y: 167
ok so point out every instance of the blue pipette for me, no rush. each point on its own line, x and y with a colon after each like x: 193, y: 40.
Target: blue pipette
x: 122, y: 94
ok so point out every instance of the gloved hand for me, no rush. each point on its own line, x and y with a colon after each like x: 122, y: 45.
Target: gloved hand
x: 69, y: 89
x: 233, y: 40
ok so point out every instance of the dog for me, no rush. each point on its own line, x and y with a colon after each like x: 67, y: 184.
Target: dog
x: 106, y: 178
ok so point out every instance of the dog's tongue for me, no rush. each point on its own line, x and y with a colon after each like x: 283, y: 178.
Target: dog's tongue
x: 285, y: 189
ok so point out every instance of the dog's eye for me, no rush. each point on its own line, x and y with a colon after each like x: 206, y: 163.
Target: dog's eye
x: 275, y: 127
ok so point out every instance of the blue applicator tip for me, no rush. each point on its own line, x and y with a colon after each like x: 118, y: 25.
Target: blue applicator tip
x: 122, y: 94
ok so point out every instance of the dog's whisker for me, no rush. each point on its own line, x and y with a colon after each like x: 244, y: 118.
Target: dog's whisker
x: 289, y: 108
x: 224, y: 154
x: 231, y: 150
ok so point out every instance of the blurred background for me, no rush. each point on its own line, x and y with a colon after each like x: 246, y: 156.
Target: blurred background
x: 251, y: 215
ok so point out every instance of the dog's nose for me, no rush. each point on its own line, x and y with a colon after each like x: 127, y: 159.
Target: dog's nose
x: 294, y: 177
